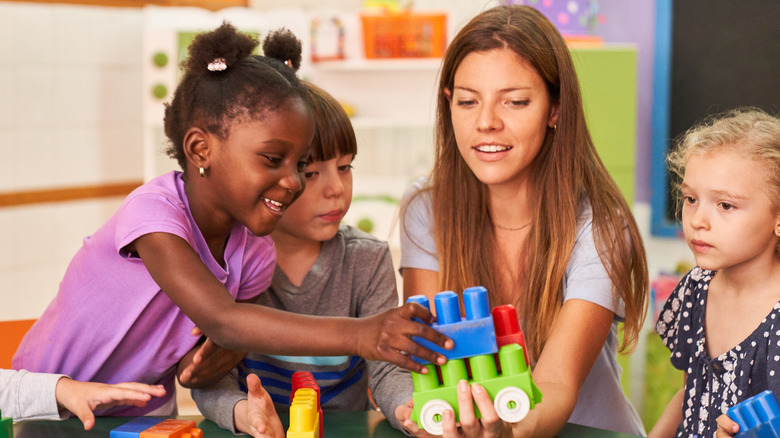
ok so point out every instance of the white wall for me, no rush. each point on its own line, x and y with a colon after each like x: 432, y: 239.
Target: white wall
x: 71, y: 113
x: 69, y: 116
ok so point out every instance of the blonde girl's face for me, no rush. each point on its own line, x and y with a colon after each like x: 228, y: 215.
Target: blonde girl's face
x: 316, y: 215
x: 501, y: 112
x: 728, y: 217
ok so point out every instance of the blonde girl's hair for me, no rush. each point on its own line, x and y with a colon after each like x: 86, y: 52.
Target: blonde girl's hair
x: 567, y: 167
x: 753, y: 132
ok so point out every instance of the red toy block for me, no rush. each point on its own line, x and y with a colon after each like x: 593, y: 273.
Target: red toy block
x: 508, y: 327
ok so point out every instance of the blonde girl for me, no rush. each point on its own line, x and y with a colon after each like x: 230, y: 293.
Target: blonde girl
x: 722, y: 322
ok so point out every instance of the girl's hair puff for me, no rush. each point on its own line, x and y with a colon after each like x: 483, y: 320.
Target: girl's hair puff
x: 566, y: 169
x: 245, y: 88
x: 754, y: 133
x: 334, y: 135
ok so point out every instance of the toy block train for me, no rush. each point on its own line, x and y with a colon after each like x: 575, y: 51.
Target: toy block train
x: 305, y: 408
x: 489, y: 350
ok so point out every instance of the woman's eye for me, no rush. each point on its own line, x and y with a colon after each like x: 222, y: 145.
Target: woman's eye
x: 466, y: 102
x: 519, y: 102
x: 346, y: 168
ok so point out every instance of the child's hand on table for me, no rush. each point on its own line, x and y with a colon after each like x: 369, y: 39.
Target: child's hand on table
x: 82, y: 398
x: 256, y: 415
x: 206, y: 363
x: 387, y: 336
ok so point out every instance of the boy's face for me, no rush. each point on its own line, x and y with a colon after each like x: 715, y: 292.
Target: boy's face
x: 316, y: 215
x: 728, y: 218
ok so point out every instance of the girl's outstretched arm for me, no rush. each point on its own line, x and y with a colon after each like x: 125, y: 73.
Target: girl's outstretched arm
x: 666, y: 426
x: 179, y: 271
x: 577, y: 337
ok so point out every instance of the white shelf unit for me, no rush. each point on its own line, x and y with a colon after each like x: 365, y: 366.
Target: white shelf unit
x: 394, y: 103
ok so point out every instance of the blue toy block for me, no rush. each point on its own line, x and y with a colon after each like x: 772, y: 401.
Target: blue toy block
x: 758, y: 416
x: 473, y: 336
x: 133, y: 428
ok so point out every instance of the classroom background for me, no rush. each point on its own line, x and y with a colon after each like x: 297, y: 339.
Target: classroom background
x: 82, y: 86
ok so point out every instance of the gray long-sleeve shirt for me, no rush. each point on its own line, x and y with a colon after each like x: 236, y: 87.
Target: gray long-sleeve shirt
x: 29, y: 396
x: 353, y: 276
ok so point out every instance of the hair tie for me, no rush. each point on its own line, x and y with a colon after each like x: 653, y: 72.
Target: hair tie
x: 218, y: 64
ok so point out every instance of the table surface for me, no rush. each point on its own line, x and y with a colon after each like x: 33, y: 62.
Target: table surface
x: 335, y: 424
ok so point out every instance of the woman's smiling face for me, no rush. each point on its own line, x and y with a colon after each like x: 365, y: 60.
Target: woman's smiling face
x: 501, y: 112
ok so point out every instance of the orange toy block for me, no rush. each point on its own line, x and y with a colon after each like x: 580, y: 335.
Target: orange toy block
x: 173, y: 429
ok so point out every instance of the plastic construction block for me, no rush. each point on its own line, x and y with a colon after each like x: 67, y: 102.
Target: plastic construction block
x: 173, y: 429
x: 508, y: 327
x: 305, y: 380
x: 512, y: 390
x: 6, y: 427
x: 472, y: 336
x: 758, y: 416
x: 305, y: 415
x: 133, y: 428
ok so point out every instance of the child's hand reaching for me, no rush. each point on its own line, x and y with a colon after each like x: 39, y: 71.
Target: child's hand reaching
x: 256, y: 415
x: 206, y: 363
x: 726, y: 427
x: 388, y: 335
x: 82, y: 398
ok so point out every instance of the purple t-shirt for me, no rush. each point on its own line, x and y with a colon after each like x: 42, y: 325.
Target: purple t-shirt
x: 110, y: 322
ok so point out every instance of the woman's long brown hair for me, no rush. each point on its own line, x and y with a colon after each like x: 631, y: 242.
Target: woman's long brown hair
x: 566, y: 170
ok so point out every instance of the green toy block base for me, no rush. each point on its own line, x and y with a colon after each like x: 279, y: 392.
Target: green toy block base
x: 513, y: 394
x: 6, y: 428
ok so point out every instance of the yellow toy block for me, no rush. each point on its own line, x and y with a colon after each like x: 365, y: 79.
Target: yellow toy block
x: 304, y: 418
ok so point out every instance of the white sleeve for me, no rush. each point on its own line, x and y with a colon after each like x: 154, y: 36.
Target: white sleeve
x: 418, y: 247
x: 29, y: 396
x: 586, y: 277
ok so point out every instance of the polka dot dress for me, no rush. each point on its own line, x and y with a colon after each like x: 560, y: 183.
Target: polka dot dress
x: 714, y: 385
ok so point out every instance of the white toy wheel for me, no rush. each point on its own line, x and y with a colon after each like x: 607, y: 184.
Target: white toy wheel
x: 512, y: 404
x: 431, y: 418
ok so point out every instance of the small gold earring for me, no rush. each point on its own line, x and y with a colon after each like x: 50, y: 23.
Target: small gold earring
x: 202, y: 172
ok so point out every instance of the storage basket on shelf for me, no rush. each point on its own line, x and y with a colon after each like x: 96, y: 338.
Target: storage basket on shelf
x: 404, y: 35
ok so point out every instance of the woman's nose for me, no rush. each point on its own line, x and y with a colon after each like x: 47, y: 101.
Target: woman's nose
x: 488, y: 119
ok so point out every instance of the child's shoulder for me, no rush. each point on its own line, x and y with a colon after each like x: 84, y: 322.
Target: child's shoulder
x: 167, y: 186
x: 354, y: 236
x: 696, y: 277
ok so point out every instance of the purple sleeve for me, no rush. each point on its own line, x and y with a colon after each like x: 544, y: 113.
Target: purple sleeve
x: 151, y: 213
